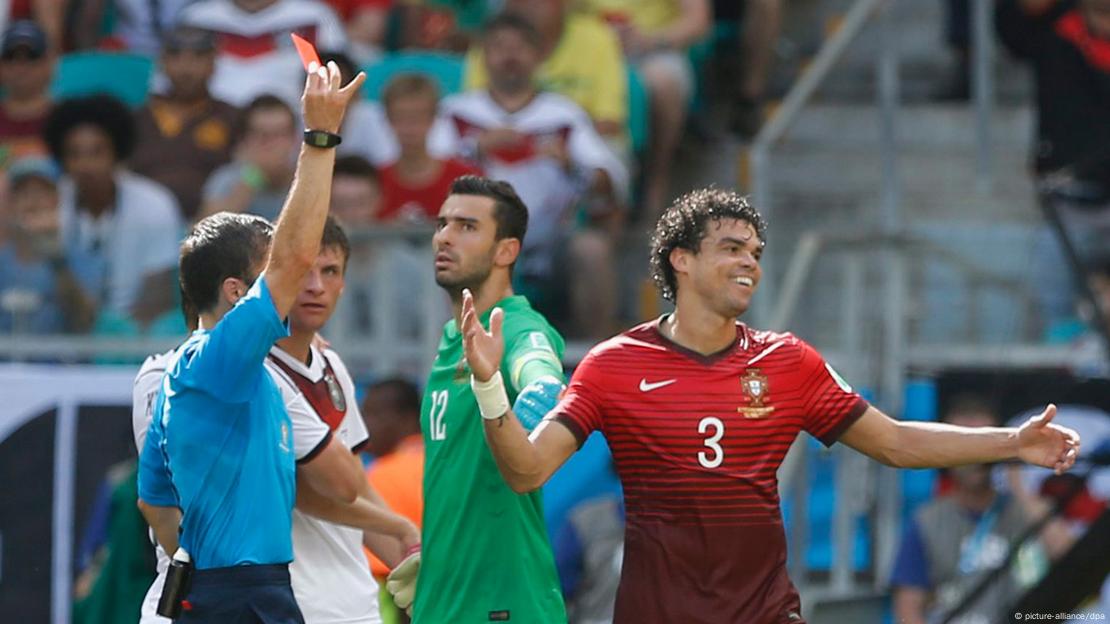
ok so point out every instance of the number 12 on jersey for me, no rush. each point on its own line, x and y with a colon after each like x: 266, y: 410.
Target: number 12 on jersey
x: 439, y: 407
x: 712, y: 442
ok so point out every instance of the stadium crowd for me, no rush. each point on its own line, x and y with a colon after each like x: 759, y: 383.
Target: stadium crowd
x: 207, y: 122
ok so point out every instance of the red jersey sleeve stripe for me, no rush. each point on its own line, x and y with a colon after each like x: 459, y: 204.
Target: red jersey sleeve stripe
x: 572, y: 425
x: 838, y: 429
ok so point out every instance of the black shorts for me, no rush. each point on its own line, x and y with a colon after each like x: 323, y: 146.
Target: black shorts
x: 246, y: 594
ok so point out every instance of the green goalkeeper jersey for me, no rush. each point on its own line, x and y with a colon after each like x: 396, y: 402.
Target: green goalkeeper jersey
x: 486, y: 556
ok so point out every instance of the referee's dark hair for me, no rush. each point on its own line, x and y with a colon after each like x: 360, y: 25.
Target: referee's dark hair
x: 218, y: 247
x: 683, y: 226
x: 508, y: 209
x: 104, y: 112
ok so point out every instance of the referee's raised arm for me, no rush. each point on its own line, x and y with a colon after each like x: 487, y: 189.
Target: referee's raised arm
x: 301, y: 224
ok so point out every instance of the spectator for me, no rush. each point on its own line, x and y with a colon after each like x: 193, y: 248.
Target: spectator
x: 129, y: 223
x: 391, y: 410
x: 760, y: 24
x: 366, y: 23
x: 655, y: 35
x: 373, y: 301
x: 1067, y: 43
x: 48, y: 14
x: 589, y: 551
x: 184, y: 135
x: 953, y: 541
x: 136, y: 25
x: 414, y: 187
x: 258, y: 180
x: 255, y: 54
x: 43, y: 285
x: 957, y: 36
x: 440, y: 24
x: 355, y: 192
x: 581, y: 59
x: 26, y: 67
x: 1091, y: 357
x: 366, y: 130
x: 545, y: 146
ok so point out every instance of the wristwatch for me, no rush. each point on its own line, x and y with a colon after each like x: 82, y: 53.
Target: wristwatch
x: 321, y: 138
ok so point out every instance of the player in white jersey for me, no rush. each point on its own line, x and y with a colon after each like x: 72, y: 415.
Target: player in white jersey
x: 330, y: 574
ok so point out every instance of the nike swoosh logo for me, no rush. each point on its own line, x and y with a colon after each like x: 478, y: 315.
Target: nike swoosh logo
x: 648, y: 387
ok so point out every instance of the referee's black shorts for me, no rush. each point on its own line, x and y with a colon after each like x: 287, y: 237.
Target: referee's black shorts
x: 246, y: 594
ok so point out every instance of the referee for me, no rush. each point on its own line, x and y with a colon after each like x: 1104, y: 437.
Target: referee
x: 220, y: 445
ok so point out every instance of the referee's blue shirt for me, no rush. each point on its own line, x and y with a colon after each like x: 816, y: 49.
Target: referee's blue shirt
x: 220, y: 444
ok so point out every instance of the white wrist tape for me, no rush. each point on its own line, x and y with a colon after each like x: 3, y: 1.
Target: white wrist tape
x: 493, y: 403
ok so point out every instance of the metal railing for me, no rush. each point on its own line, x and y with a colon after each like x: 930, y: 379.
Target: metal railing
x: 389, y: 276
x: 774, y: 308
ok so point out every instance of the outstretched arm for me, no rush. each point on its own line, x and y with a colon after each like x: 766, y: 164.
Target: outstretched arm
x: 904, y: 444
x: 526, y: 462
x: 301, y: 224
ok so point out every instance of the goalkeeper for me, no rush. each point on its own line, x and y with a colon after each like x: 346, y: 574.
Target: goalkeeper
x: 486, y: 554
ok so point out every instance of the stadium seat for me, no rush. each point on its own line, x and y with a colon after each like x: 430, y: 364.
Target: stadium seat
x: 125, y: 76
x: 639, y: 119
x: 445, y: 69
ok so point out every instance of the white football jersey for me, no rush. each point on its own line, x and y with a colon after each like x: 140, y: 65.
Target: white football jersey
x: 255, y: 54
x: 147, y: 384
x: 331, y: 576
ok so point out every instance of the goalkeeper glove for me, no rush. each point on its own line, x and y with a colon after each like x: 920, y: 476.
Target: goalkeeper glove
x: 401, y: 582
x: 536, y: 400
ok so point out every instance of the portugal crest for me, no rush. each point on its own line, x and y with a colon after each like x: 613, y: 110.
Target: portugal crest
x: 756, y: 388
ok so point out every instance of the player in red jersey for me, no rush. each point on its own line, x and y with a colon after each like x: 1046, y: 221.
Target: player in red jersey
x: 699, y: 411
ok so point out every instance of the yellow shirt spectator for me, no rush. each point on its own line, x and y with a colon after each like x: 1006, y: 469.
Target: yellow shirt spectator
x: 648, y: 16
x: 587, y: 66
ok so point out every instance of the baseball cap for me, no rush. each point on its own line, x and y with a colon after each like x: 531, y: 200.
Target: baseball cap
x: 24, y: 34
x: 188, y: 38
x: 25, y: 168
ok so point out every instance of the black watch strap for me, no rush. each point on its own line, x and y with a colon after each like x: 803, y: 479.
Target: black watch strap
x: 321, y: 138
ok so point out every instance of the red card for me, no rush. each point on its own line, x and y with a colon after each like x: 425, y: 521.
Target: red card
x: 305, y: 49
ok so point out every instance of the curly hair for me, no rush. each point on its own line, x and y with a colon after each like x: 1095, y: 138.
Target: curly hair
x: 103, y: 111
x: 683, y: 225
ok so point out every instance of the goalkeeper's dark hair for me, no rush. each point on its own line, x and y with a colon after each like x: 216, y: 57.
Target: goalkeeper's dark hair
x: 683, y: 226
x: 508, y: 209
x: 218, y: 247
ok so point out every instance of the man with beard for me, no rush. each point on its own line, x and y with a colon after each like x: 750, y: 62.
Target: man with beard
x: 700, y: 410
x: 486, y: 553
x: 952, y: 542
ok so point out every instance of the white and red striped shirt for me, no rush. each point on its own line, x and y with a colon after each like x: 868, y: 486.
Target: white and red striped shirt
x: 256, y: 54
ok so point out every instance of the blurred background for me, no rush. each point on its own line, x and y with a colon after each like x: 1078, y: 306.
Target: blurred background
x: 935, y: 173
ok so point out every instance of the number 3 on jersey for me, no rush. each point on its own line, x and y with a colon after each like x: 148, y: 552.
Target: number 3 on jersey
x: 714, y: 459
x: 439, y: 407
